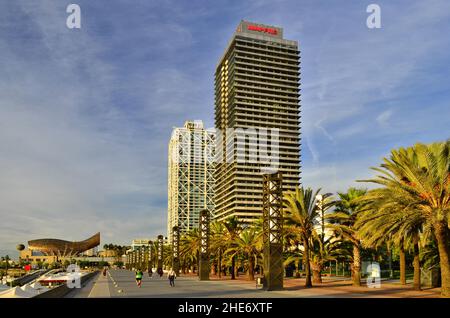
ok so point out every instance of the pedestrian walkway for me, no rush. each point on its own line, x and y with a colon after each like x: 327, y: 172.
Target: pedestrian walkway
x: 185, y: 286
x: 101, y: 287
x: 84, y: 291
x: 121, y: 283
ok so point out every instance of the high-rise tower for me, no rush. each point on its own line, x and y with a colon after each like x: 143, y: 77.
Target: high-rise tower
x: 191, y: 176
x: 256, y: 89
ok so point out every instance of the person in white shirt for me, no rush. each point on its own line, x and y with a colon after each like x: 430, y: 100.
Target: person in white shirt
x: 171, y: 276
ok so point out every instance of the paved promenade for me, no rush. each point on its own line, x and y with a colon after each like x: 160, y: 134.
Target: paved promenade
x: 121, y: 283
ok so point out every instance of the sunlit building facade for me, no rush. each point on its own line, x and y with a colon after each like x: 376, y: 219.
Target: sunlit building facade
x: 191, y: 175
x: 256, y: 88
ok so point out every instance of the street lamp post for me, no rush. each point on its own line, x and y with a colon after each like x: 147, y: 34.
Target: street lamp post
x: 143, y: 257
x: 149, y: 255
x: 204, y: 268
x: 159, y: 250
x: 176, y: 250
x: 138, y: 258
x: 272, y: 231
x: 130, y: 260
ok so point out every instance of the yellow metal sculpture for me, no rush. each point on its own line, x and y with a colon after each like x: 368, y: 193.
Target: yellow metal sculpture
x: 63, y: 248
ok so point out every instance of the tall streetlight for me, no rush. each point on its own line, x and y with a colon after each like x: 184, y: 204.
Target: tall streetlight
x: 176, y: 250
x: 204, y: 268
x: 273, y: 231
x: 159, y: 251
x: 142, y: 257
x: 149, y: 255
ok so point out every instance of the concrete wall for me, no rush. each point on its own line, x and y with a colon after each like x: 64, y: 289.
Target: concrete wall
x: 61, y: 291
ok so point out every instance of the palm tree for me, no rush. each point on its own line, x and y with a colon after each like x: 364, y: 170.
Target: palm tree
x: 343, y: 223
x: 167, y: 255
x: 247, y: 244
x: 258, y: 226
x: 430, y: 254
x: 419, y: 177
x: 232, y: 229
x: 301, y: 213
x: 321, y: 252
x: 218, y: 244
x: 190, y: 247
x: 387, y: 220
x: 322, y: 247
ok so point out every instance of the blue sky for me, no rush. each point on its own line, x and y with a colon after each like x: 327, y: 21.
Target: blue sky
x: 86, y: 115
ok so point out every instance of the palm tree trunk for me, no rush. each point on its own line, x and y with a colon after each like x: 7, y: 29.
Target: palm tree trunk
x: 402, y: 264
x: 233, y: 265
x: 316, y: 272
x: 197, y: 263
x: 442, y: 237
x: 219, y: 267
x: 416, y: 284
x: 356, y: 265
x: 308, y: 282
x: 317, y: 277
x: 251, y: 268
x: 391, y: 272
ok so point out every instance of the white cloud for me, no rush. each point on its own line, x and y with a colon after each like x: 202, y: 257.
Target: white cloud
x: 71, y: 161
x: 384, y: 117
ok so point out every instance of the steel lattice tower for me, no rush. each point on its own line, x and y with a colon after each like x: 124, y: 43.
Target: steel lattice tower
x: 273, y: 231
x: 204, y: 267
x: 160, y: 253
x: 191, y: 176
x: 176, y: 250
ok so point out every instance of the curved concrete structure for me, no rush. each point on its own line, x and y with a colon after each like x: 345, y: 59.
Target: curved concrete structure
x: 63, y: 248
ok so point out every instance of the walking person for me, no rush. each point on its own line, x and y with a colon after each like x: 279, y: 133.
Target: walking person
x: 139, y: 275
x: 171, y: 276
x: 150, y: 272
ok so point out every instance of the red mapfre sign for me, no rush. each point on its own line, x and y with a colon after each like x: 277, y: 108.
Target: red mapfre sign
x: 262, y: 29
